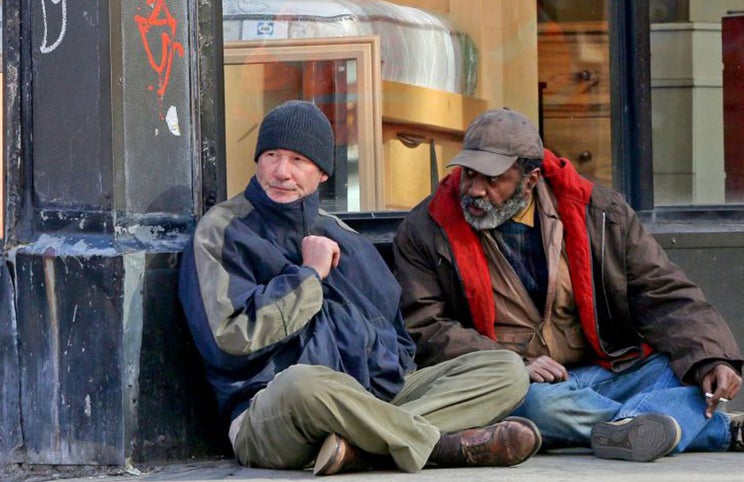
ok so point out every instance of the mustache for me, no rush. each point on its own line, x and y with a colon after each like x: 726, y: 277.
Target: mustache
x: 476, y: 202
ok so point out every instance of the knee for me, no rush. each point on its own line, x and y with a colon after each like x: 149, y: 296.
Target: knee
x: 504, y: 369
x: 516, y: 373
x: 302, y: 386
x: 299, y: 381
x: 507, y: 367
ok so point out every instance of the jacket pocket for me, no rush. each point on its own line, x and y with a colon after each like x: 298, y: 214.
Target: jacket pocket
x: 516, y: 338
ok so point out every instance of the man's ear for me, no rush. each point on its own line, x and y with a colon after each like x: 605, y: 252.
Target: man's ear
x: 323, y: 177
x: 531, y: 179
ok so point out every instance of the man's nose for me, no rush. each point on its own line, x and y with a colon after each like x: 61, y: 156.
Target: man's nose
x: 282, y: 167
x: 477, y: 187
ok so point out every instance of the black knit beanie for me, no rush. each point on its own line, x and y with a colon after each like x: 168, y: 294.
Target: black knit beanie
x: 301, y: 127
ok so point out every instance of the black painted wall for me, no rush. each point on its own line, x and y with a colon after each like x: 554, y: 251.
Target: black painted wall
x: 98, y: 367
x: 11, y: 441
x: 72, y: 167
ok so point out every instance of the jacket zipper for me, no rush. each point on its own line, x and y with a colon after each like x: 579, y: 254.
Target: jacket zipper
x: 602, y: 267
x: 304, y: 219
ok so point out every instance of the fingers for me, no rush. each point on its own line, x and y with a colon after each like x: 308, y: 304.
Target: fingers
x: 721, y: 384
x: 320, y: 253
x: 545, y: 369
x: 336, y: 257
x: 711, y: 403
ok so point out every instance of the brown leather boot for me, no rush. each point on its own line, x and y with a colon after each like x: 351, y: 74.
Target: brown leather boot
x: 337, y: 455
x: 505, y: 443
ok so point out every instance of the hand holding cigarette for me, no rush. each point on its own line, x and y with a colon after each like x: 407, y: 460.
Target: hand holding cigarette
x: 722, y: 399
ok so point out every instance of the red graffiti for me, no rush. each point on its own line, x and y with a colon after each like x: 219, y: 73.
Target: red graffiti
x: 160, y: 18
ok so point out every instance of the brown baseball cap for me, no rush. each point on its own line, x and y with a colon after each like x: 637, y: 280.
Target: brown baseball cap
x: 496, y: 139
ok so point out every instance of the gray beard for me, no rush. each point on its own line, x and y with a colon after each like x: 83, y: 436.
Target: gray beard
x: 494, y: 216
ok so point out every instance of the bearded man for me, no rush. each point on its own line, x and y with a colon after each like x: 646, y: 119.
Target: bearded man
x: 515, y: 250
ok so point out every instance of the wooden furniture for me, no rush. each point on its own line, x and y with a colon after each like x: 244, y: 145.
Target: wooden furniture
x: 422, y: 130
x: 392, y: 139
x: 573, y: 68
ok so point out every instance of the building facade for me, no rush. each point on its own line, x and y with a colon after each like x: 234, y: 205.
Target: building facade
x: 125, y: 121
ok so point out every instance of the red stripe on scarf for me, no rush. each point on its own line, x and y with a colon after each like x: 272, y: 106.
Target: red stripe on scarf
x: 573, y: 192
x: 469, y: 258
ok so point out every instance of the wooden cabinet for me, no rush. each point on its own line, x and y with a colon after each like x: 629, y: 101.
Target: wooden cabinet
x: 422, y: 130
x: 574, y: 73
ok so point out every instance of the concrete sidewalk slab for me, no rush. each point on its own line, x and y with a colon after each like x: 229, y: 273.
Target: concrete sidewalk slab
x: 568, y: 467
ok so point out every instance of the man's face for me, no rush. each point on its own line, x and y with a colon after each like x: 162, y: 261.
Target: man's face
x: 287, y: 176
x: 487, y: 202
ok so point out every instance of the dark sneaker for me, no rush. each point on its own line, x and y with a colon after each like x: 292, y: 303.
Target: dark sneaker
x: 737, y: 431
x: 640, y: 439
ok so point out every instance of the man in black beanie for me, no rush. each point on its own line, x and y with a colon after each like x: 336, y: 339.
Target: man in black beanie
x: 297, y: 319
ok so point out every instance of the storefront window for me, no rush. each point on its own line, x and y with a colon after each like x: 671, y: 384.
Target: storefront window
x: 697, y: 81
x: 397, y: 82
x: 574, y: 82
x: 439, y: 66
x: 400, y: 111
x: 338, y: 75
x: 392, y: 79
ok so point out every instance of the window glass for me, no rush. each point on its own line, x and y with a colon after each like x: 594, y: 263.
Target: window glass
x: 697, y: 94
x: 396, y: 81
x: 574, y: 82
x: 440, y: 64
x: 258, y: 78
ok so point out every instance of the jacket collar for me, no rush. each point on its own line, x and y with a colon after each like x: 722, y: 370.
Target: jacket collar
x: 572, y: 190
x: 297, y: 215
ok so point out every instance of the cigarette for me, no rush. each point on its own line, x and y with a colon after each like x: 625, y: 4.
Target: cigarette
x: 710, y: 395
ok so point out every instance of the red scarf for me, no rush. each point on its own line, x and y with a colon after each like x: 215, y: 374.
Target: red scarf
x: 572, y: 192
x: 469, y: 257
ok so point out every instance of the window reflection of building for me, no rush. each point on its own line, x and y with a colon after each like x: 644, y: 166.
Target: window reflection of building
x: 341, y: 76
x: 687, y: 80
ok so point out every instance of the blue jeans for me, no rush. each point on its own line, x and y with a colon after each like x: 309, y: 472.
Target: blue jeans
x: 565, y: 412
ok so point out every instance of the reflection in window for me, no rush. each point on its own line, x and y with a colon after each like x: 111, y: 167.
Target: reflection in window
x: 337, y: 75
x: 574, y: 75
x: 697, y: 110
x: 251, y: 90
x: 336, y: 53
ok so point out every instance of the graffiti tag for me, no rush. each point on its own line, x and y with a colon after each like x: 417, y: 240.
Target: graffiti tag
x: 45, y: 47
x: 160, y: 19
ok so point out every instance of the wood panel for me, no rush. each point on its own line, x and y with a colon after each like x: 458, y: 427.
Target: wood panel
x: 574, y: 69
x: 428, y: 108
x: 574, y: 64
x: 585, y: 141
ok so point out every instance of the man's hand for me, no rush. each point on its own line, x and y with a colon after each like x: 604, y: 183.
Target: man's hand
x: 320, y: 253
x: 544, y: 369
x: 721, y: 382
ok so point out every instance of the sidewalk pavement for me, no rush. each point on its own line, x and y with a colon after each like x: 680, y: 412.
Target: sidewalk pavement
x: 570, y: 466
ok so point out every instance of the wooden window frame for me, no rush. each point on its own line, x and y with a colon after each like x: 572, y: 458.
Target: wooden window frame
x: 366, y: 52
